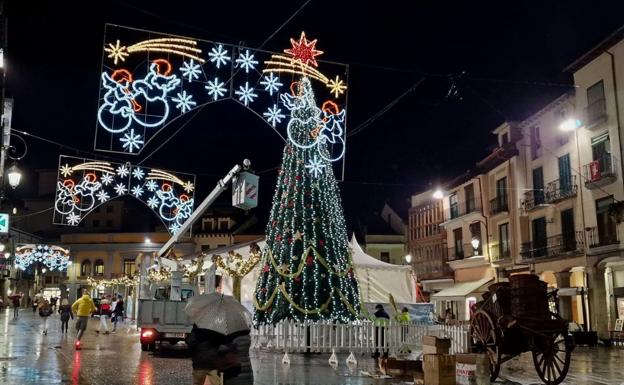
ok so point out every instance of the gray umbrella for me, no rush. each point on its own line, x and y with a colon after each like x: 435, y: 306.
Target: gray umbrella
x: 217, y: 312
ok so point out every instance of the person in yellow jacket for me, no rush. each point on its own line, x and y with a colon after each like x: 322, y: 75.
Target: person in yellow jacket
x: 403, y: 317
x: 83, y: 308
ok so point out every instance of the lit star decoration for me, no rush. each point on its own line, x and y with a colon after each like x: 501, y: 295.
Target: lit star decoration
x: 303, y: 50
x: 66, y: 170
x: 137, y: 191
x: 315, y: 166
x: 138, y: 173
x: 215, y: 88
x: 271, y: 83
x: 246, y: 94
x: 218, y: 55
x: 102, y: 196
x: 246, y: 61
x: 190, y: 70
x: 185, y: 101
x: 337, y: 86
x: 120, y: 189
x: 131, y: 141
x: 116, y: 52
x: 274, y: 115
x: 122, y: 170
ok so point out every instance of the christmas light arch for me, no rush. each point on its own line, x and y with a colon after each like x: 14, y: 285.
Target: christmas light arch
x: 52, y: 257
x: 149, y: 80
x: 85, y: 184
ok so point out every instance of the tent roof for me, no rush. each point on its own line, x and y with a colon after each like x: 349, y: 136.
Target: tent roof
x: 361, y: 259
x: 461, y: 289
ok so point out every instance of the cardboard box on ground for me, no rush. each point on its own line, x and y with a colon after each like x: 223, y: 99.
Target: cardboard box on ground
x: 436, y: 345
x: 439, y: 369
x: 472, y: 369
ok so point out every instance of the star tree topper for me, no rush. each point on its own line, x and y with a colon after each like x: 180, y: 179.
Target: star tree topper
x: 304, y: 50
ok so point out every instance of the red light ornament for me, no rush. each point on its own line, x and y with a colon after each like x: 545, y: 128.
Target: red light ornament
x: 304, y: 50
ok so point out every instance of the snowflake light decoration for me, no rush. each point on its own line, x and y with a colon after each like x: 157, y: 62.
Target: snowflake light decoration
x: 190, y: 70
x: 246, y: 94
x: 122, y: 171
x: 246, y: 61
x: 151, y: 185
x: 215, y: 88
x: 315, y: 166
x: 218, y: 55
x: 271, y: 83
x: 138, y: 173
x: 73, y: 219
x: 153, y: 202
x: 107, y: 179
x: 102, y: 196
x: 137, y: 191
x: 185, y: 101
x: 188, y: 187
x: 274, y: 115
x: 120, y: 189
x: 337, y: 86
x: 131, y: 141
x: 116, y: 52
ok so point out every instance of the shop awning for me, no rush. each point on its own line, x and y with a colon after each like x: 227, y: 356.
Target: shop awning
x: 460, y: 290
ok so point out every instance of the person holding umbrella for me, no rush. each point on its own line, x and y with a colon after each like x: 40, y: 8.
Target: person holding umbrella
x: 219, y: 341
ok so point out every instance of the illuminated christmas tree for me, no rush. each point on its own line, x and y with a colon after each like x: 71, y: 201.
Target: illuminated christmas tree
x: 306, y: 268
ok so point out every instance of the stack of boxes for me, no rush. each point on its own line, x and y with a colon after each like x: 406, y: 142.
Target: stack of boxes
x: 438, y: 364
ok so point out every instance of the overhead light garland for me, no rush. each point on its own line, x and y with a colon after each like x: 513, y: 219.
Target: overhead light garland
x: 52, y: 257
x: 122, y: 281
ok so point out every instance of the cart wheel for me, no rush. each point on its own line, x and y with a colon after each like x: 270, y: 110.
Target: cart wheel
x: 552, y: 360
x: 486, y: 339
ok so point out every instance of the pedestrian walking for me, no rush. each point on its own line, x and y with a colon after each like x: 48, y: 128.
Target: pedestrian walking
x: 53, y: 303
x: 35, y: 305
x: 118, y: 312
x: 45, y: 311
x: 83, y: 308
x: 66, y: 313
x: 105, y: 313
x: 15, y: 301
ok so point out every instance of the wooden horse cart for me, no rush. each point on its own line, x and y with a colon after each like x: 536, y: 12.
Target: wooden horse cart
x: 514, y: 318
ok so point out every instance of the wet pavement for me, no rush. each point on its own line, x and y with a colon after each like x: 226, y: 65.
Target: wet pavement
x: 29, y: 357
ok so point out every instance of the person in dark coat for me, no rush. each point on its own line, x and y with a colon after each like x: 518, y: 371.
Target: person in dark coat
x: 66, y: 313
x: 118, y: 312
x: 214, y: 353
x: 381, y: 319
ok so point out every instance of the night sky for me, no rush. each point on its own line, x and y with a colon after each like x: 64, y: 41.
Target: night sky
x: 511, y: 55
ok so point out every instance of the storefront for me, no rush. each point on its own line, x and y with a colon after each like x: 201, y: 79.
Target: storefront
x: 460, y: 297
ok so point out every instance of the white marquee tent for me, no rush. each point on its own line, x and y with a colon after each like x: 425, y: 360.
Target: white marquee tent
x: 377, y: 279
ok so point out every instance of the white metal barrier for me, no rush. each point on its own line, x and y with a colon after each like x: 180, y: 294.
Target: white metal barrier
x: 319, y: 337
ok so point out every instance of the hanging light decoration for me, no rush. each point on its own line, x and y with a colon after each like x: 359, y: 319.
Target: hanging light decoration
x: 53, y: 257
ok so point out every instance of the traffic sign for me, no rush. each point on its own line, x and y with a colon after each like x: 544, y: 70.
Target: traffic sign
x: 4, y: 223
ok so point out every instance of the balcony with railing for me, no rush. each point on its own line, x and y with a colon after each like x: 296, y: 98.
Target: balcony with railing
x: 456, y: 254
x: 555, y: 246
x: 500, y: 252
x: 600, y: 172
x: 499, y: 205
x: 460, y: 209
x: 561, y: 189
x: 532, y: 199
x: 602, y: 236
x: 595, y: 113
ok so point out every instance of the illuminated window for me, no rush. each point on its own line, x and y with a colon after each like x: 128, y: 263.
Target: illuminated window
x: 129, y: 267
x: 85, y: 268
x: 98, y: 267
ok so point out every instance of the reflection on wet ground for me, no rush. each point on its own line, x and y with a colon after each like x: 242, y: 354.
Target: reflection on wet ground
x: 28, y: 357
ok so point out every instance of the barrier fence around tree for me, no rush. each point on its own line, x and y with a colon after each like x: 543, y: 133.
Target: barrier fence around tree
x: 327, y: 337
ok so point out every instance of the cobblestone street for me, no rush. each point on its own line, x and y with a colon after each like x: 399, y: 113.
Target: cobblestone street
x: 29, y: 357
